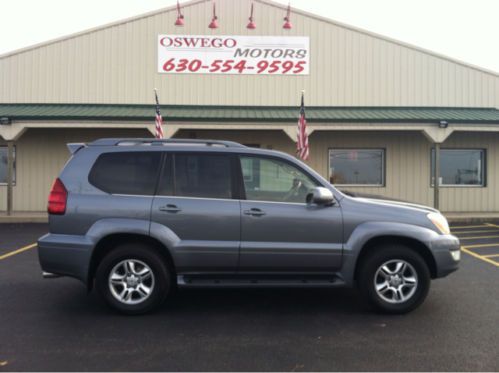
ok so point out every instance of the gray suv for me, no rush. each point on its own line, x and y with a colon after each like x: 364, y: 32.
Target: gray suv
x: 137, y: 218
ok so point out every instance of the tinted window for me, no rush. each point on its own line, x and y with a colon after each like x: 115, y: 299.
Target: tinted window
x: 126, y: 173
x: 356, y: 166
x: 203, y: 175
x: 460, y: 167
x: 273, y: 180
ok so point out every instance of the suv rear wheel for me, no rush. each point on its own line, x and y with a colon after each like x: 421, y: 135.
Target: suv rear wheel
x: 394, y: 279
x: 133, y: 279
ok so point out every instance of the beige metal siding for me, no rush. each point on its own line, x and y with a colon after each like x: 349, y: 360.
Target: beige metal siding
x: 475, y: 199
x: 41, y: 154
x: 407, y: 162
x: 117, y: 64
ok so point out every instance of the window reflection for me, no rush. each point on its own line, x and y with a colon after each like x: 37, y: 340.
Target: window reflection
x: 356, y: 166
x: 460, y: 167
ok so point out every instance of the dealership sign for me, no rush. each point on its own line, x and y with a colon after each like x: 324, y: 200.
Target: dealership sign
x: 250, y: 55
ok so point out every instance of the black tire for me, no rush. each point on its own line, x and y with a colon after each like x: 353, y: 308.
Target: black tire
x: 367, y: 275
x: 160, y: 282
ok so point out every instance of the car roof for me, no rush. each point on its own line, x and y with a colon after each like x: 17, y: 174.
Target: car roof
x: 162, y: 142
x: 192, y: 145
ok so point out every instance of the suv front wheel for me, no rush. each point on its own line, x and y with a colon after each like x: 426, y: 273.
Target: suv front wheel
x: 133, y: 279
x: 394, y: 279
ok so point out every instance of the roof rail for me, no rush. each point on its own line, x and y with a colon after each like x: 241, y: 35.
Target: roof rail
x: 156, y: 142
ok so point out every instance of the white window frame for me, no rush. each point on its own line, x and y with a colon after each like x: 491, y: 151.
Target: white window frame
x: 383, y: 167
x: 484, y: 169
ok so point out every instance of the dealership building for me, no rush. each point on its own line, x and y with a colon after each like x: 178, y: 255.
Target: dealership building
x: 379, y: 111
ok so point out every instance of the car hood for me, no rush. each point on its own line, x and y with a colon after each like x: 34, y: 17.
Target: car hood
x: 388, y: 203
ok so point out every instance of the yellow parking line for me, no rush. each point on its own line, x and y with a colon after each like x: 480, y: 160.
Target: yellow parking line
x: 469, y: 226
x: 481, y: 245
x: 492, y: 225
x: 491, y: 256
x: 489, y: 231
x: 480, y: 257
x: 18, y: 251
x: 477, y: 237
x: 496, y: 244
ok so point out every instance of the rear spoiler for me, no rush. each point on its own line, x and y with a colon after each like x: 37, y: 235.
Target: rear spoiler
x: 74, y: 147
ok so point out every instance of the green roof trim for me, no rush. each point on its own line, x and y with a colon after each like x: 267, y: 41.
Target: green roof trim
x: 249, y: 114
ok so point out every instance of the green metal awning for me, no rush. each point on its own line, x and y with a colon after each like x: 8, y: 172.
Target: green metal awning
x: 188, y: 113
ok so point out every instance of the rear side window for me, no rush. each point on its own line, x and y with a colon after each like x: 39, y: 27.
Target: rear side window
x: 126, y: 172
x: 203, y: 175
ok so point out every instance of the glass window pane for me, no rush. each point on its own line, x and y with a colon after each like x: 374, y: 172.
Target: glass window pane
x: 131, y: 173
x: 202, y: 175
x: 272, y: 180
x: 460, y: 166
x: 3, y: 165
x: 356, y: 166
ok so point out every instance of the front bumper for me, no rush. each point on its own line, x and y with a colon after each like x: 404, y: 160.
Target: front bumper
x: 446, y: 252
x: 65, y: 255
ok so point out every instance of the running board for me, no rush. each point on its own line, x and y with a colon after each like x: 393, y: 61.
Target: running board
x: 194, y: 281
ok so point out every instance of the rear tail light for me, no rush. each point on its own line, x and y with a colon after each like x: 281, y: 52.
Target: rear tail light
x: 57, y: 198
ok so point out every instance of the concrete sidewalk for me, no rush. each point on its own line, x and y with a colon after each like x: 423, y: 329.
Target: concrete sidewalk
x: 24, y: 217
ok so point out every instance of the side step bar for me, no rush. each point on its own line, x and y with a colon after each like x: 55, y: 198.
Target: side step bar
x: 188, y: 281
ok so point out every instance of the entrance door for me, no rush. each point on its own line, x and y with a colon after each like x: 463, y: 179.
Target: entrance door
x: 280, y: 232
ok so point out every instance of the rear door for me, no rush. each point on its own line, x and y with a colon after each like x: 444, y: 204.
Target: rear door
x: 195, y: 202
x: 280, y: 232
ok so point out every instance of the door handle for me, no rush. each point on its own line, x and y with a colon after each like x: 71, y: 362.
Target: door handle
x: 254, y: 212
x: 170, y: 208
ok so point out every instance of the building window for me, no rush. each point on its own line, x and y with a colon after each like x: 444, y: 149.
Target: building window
x: 460, y: 167
x: 4, y: 153
x: 365, y: 167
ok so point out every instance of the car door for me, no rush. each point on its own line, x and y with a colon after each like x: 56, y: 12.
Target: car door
x: 195, y: 204
x: 280, y: 232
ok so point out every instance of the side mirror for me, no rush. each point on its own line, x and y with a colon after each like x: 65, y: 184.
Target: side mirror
x: 320, y: 196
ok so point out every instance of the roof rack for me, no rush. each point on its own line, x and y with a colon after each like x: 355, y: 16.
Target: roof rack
x: 160, y: 142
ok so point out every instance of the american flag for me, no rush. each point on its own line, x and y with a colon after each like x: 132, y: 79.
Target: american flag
x: 302, y: 145
x: 159, y: 118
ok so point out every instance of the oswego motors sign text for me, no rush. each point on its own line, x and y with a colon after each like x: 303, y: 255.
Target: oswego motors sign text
x: 256, y: 55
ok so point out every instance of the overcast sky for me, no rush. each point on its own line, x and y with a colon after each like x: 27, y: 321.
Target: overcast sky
x: 464, y: 29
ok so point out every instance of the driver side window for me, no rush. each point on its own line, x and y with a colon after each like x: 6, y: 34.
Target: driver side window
x: 267, y: 179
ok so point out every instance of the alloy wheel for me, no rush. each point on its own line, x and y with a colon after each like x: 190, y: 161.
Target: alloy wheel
x: 396, y: 281
x: 131, y: 281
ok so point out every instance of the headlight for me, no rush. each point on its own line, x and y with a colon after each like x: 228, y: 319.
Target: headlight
x: 440, y: 222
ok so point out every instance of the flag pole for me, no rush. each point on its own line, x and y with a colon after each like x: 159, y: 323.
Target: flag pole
x: 302, y: 146
x: 159, y: 118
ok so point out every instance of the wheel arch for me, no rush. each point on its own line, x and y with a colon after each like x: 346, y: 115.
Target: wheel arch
x: 108, y: 243
x: 411, y: 243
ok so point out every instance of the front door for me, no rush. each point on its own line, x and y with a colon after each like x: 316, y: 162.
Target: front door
x: 195, y: 203
x: 279, y: 231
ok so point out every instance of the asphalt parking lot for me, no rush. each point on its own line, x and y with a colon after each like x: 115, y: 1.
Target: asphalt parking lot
x: 54, y: 325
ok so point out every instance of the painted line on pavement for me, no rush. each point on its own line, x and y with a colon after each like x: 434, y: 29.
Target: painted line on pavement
x: 477, y: 237
x: 470, y: 226
x: 482, y: 245
x: 489, y: 231
x: 491, y: 256
x: 492, y: 225
x: 485, y: 259
x: 18, y: 251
